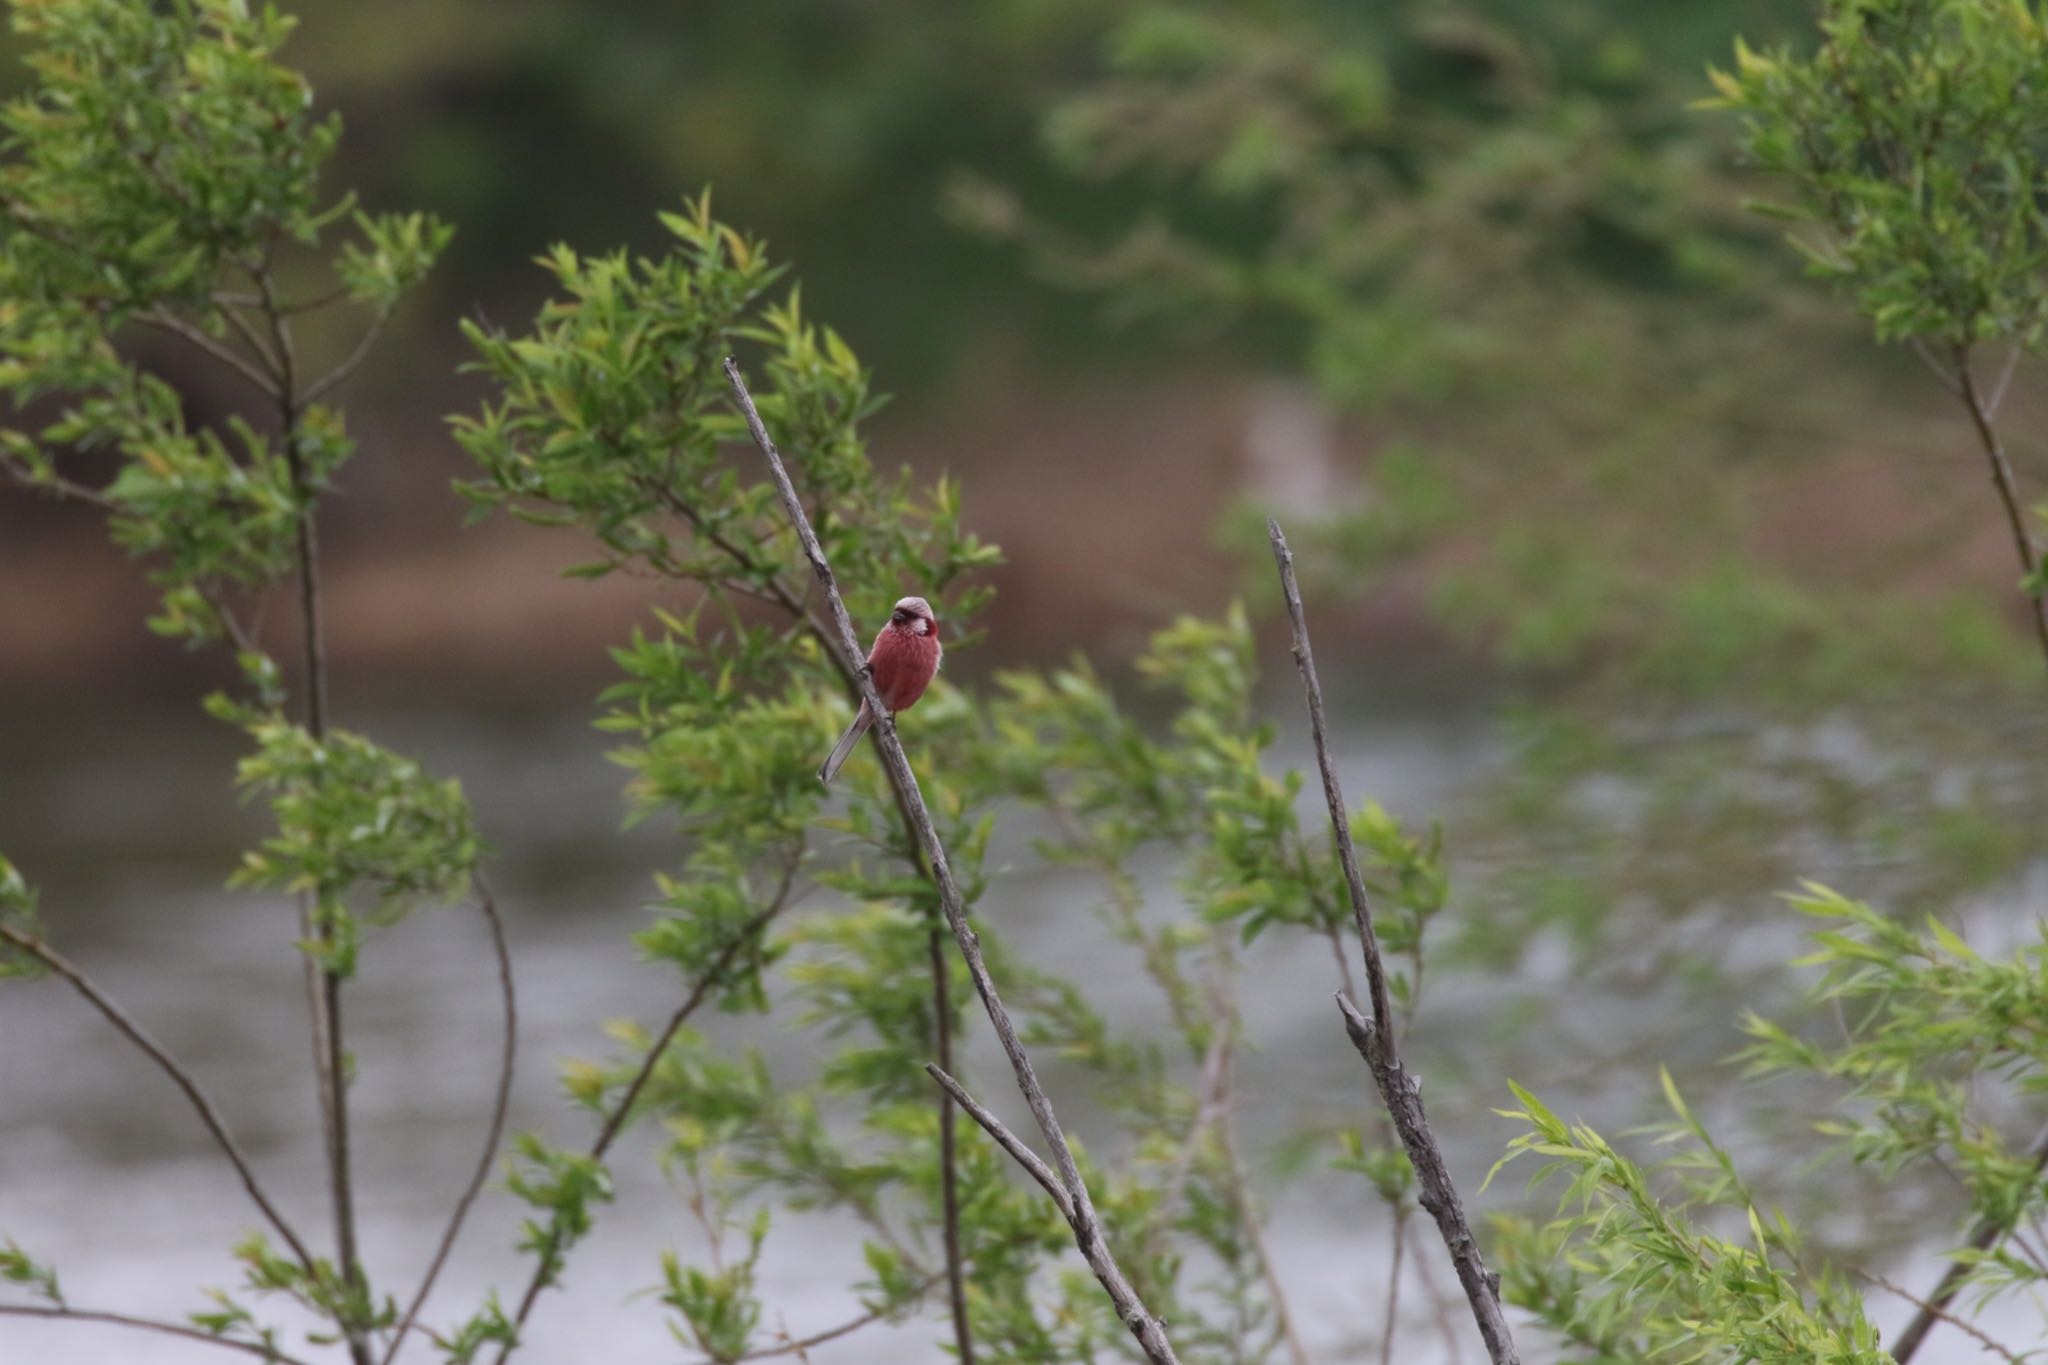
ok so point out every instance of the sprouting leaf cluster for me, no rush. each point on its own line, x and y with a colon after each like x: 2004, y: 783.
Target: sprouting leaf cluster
x: 1911, y: 141
x: 1648, y: 1263
x: 355, y: 819
x: 1940, y: 1053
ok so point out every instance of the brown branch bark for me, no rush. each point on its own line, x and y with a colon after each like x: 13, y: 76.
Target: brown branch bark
x: 174, y: 1329
x: 1008, y: 1141
x: 1146, y: 1328
x: 1934, y: 1309
x: 1983, y: 417
x: 323, y: 985
x: 1375, y: 1039
x: 164, y: 321
x: 487, y: 904
x: 170, y: 1066
x: 949, y: 1175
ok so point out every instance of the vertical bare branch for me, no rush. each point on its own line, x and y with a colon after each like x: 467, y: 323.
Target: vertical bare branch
x: 324, y: 986
x: 508, y: 1051
x: 170, y: 1066
x: 1375, y: 1038
x: 949, y: 1175
x: 1150, y: 1333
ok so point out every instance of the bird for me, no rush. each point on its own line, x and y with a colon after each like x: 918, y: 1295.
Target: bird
x: 902, y: 663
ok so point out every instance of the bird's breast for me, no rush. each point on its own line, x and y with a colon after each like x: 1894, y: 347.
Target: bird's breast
x: 903, y: 666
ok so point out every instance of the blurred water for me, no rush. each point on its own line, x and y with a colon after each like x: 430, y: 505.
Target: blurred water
x: 105, y: 1173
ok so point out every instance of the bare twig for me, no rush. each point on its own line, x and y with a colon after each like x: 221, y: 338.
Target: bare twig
x: 1145, y: 1327
x: 1937, y: 1313
x: 488, y: 905
x: 328, y: 382
x: 1392, y: 1312
x: 57, y: 484
x: 247, y: 332
x: 169, y: 322
x: 1982, y: 413
x: 1008, y: 1141
x: 170, y: 1066
x: 175, y: 1329
x: 1375, y: 1038
x: 1935, y: 367
x: 2005, y: 373
x: 1982, y: 1237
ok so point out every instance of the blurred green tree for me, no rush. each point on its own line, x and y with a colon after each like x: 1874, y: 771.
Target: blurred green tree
x: 1609, y: 432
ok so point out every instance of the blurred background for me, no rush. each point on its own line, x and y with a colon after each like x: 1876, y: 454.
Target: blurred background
x: 1631, y: 558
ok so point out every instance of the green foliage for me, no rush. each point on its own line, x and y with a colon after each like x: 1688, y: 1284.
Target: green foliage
x: 18, y: 914
x: 562, y: 1186
x: 353, y: 817
x: 161, y: 173
x: 18, y: 1267
x: 319, y: 1289
x: 1633, y: 1269
x: 1912, y: 140
x: 614, y: 409
x: 1942, y: 1049
x: 175, y: 120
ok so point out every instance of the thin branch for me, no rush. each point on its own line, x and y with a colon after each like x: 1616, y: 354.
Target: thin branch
x: 2005, y: 373
x: 1333, y: 796
x: 1982, y: 1238
x: 175, y: 1329
x: 1006, y: 1140
x: 1932, y: 1311
x: 615, y: 1121
x: 796, y: 1346
x: 250, y: 337
x: 226, y: 355
x: 949, y: 1176
x: 170, y: 1066
x: 2002, y: 478
x: 1934, y: 367
x: 57, y: 484
x: 327, y: 383
x: 1146, y: 1328
x: 324, y: 986
x: 488, y: 905
x: 1375, y: 1038
x: 1392, y: 1312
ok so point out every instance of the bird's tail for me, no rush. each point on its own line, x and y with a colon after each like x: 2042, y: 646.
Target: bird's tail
x: 844, y: 747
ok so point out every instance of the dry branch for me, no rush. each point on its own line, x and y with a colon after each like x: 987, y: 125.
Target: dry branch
x: 487, y: 905
x: 1150, y: 1333
x: 1375, y: 1037
x: 1007, y: 1140
x: 66, y: 1313
x: 170, y: 1066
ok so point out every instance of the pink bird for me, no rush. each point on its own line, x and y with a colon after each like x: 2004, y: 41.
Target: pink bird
x: 902, y: 663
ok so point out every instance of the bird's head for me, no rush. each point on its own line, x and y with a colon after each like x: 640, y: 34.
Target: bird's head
x: 913, y: 616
